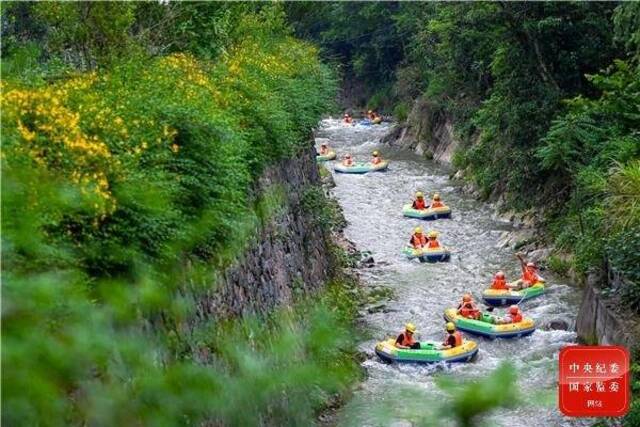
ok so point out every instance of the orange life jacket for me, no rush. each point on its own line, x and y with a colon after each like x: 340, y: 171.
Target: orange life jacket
x: 376, y: 160
x: 458, y: 337
x: 499, y: 284
x: 433, y: 244
x: 407, y: 340
x: 436, y: 204
x: 418, y: 241
x: 529, y: 275
x: 516, y: 318
x: 469, y: 310
x: 347, y: 162
x: 419, y: 204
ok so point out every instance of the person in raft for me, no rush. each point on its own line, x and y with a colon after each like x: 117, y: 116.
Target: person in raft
x: 418, y: 239
x: 405, y: 339
x: 436, y: 202
x: 377, y: 158
x: 347, y: 160
x: 419, y: 203
x: 432, y: 242
x: 500, y: 282
x: 514, y: 316
x: 324, y: 149
x: 347, y: 118
x: 453, y: 337
x: 370, y: 115
x: 468, y: 308
x: 529, y: 274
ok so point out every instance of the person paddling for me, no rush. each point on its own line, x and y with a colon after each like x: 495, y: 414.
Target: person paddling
x: 405, y: 339
x: 529, y: 274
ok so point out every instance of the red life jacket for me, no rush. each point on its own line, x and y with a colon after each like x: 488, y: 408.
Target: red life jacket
x: 499, y: 284
x: 418, y: 242
x: 469, y: 310
x: 516, y: 318
x: 529, y: 275
x: 437, y: 204
x: 407, y: 340
x: 433, y: 244
x: 419, y: 204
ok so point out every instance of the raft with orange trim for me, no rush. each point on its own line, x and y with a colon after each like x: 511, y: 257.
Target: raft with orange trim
x: 486, y: 328
x: 361, y: 168
x: 429, y: 352
x: 499, y: 297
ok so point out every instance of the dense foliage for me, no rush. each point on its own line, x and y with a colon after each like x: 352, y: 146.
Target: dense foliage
x: 544, y: 97
x: 132, y: 134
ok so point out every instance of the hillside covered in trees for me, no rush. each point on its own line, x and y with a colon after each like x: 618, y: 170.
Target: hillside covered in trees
x: 545, y: 97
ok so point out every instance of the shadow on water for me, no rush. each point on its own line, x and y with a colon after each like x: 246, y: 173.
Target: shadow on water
x: 372, y: 205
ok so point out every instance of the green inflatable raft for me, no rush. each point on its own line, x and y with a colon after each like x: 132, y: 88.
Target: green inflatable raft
x: 427, y: 214
x: 331, y: 155
x: 486, y: 328
x: 429, y: 352
x: 360, y: 168
x: 500, y: 297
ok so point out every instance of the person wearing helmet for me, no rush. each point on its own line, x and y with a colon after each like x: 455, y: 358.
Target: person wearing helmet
x: 436, y: 202
x: 433, y: 243
x: 324, y: 149
x: 347, y: 118
x: 377, y: 118
x: 418, y: 239
x: 453, y: 337
x: 377, y: 159
x: 370, y: 115
x: 347, y: 160
x: 468, y: 308
x: 529, y: 274
x: 405, y: 339
x: 419, y: 203
x: 500, y: 282
x: 514, y: 315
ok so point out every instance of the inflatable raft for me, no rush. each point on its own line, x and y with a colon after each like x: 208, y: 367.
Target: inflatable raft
x: 429, y: 352
x: 361, y: 168
x: 427, y: 255
x: 486, y: 328
x: 498, y: 297
x: 331, y: 155
x: 428, y: 214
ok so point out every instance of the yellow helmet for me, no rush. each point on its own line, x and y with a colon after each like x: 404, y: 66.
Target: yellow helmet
x: 376, y: 153
x: 436, y: 196
x: 417, y: 230
x: 410, y: 327
x: 432, y: 233
x: 419, y: 195
x: 451, y: 327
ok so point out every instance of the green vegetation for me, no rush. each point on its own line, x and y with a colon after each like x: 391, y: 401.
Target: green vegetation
x: 544, y: 97
x: 132, y: 134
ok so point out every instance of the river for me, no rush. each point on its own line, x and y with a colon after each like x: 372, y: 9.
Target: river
x: 372, y: 205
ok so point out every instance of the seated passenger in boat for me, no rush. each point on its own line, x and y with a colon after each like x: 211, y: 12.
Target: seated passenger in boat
x: 377, y: 159
x: 433, y: 243
x: 324, y: 149
x: 499, y: 282
x: 514, y: 316
x: 419, y: 203
x: 453, y: 337
x: 529, y: 274
x: 347, y: 118
x: 468, y: 308
x: 405, y: 339
x: 436, y: 202
x: 347, y: 160
x: 418, y: 239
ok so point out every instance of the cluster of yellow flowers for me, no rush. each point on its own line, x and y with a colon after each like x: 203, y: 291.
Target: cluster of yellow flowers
x: 50, y: 133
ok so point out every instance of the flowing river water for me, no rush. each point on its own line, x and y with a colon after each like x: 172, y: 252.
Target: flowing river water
x: 372, y: 205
